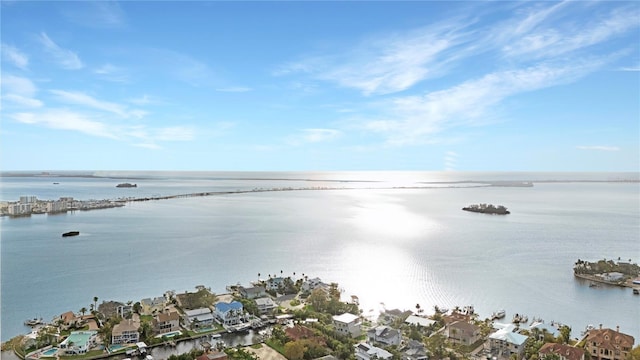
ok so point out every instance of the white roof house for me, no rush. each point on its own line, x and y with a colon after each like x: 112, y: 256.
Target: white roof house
x: 201, y: 316
x: 419, y: 320
x: 506, y: 342
x: 364, y: 351
x: 347, y: 324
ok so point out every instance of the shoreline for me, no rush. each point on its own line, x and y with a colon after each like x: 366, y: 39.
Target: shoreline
x: 626, y: 284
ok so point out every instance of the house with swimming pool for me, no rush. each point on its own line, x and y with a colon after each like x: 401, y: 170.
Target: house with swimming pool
x: 78, y: 342
x: 126, y: 331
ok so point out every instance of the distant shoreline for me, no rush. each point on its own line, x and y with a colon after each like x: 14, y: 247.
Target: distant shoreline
x: 506, y: 183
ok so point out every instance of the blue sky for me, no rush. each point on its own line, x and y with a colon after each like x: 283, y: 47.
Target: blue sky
x: 420, y: 85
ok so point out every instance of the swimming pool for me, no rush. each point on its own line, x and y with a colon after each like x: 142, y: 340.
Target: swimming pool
x: 170, y: 334
x: 116, y: 347
x: 51, y: 352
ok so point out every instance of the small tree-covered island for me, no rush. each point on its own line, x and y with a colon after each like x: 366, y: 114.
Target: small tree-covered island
x: 487, y: 209
x: 302, y: 318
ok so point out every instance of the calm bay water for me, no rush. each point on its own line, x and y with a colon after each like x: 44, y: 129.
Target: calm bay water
x: 391, y: 247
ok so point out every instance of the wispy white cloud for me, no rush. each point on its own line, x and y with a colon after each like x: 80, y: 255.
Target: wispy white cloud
x: 315, y: 135
x: 629, y: 68
x: 80, y: 98
x: 143, y: 100
x: 96, y: 124
x: 112, y: 73
x: 415, y: 119
x: 96, y: 14
x: 562, y: 37
x: 450, y: 160
x: 19, y: 91
x: 15, y: 56
x: 64, y: 57
x: 234, y: 89
x: 387, y: 64
x: 64, y: 119
x: 598, y: 148
x: 174, y: 133
x: 23, y: 100
x: 179, y: 66
x: 17, y: 85
x: 319, y: 135
x: 150, y: 146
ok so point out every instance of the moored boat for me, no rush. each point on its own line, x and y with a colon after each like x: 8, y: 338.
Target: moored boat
x: 33, y: 322
x: 498, y: 314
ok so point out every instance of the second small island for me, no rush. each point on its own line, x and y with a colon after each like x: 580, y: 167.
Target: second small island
x: 487, y: 209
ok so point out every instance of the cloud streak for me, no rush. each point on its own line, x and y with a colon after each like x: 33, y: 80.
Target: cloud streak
x: 19, y: 91
x: 79, y: 98
x: 313, y: 135
x: 67, y: 59
x: 416, y: 119
x: 598, y: 148
x: 15, y: 56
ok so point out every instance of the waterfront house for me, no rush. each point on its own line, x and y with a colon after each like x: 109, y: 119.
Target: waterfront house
x: 311, y: 284
x: 388, y: 317
x: 384, y: 335
x: 126, y: 332
x: 166, y: 322
x: 364, y: 351
x: 68, y: 319
x: 414, y: 350
x: 78, y: 342
x: 462, y: 332
x: 265, y: 305
x: 608, y: 344
x: 229, y: 313
x: 274, y: 283
x: 565, y: 352
x: 544, y: 328
x: 199, y: 318
x: 152, y: 306
x: 252, y: 292
x: 419, y: 321
x: 505, y: 342
x: 456, y: 316
x: 347, y: 324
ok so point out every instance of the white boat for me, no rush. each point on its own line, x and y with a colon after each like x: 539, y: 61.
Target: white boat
x: 498, y: 314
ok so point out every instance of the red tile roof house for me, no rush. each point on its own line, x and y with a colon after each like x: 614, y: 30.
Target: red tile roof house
x: 565, y: 352
x: 608, y: 344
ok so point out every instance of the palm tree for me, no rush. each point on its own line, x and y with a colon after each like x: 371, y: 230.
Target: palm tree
x: 83, y: 310
x: 95, y: 302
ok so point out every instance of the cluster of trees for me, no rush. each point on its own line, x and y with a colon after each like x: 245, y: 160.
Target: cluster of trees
x: 538, y: 337
x: 606, y: 266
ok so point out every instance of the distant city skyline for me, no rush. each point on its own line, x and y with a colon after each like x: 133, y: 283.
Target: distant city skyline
x: 303, y: 86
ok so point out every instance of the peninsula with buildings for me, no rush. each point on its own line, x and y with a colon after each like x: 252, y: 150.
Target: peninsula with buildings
x: 610, y: 272
x: 304, y: 318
